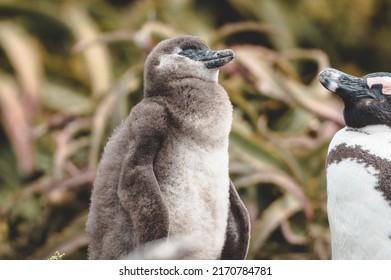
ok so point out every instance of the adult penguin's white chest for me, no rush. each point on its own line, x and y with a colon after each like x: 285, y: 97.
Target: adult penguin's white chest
x: 359, y: 193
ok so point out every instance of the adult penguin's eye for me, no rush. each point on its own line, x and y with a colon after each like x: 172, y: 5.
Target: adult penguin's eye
x: 383, y: 82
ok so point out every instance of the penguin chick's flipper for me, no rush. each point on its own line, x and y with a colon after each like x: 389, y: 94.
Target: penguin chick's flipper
x: 238, y: 228
x: 138, y: 190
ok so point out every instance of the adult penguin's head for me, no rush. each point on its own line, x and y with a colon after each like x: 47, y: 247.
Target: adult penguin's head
x: 367, y: 99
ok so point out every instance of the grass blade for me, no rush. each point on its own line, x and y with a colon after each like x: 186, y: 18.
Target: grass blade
x: 16, y: 125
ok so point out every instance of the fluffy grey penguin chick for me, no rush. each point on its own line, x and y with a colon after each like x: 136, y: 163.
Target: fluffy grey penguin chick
x: 359, y: 167
x: 164, y: 172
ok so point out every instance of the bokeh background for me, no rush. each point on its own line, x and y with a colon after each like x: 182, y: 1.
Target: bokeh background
x: 70, y: 71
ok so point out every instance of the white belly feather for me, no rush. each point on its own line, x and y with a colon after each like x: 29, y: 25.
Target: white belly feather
x: 359, y: 214
x: 196, y: 193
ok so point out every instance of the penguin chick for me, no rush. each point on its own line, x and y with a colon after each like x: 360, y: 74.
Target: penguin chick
x: 164, y: 171
x: 359, y: 167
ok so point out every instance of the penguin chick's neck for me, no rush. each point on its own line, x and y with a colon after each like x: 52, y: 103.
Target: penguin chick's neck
x: 172, y: 87
x: 194, y: 97
x: 201, y: 110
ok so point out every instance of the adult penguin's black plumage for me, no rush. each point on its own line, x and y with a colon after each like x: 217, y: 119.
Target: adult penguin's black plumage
x: 359, y: 167
x: 164, y: 172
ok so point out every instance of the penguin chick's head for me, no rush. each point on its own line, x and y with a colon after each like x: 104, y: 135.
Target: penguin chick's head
x: 182, y: 57
x: 367, y: 99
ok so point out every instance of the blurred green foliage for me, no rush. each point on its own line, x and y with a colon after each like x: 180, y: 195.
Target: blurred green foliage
x: 70, y: 71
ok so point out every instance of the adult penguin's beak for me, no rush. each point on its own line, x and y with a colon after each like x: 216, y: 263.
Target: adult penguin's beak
x: 348, y: 87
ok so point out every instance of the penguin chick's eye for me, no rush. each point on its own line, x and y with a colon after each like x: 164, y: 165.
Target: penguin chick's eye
x: 193, y: 53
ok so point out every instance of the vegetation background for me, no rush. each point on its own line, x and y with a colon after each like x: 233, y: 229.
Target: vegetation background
x: 70, y: 71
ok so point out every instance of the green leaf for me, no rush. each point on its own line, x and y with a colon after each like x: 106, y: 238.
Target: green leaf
x: 16, y: 125
x: 58, y: 97
x: 256, y: 148
x: 97, y: 57
x: 279, y: 211
x: 24, y: 56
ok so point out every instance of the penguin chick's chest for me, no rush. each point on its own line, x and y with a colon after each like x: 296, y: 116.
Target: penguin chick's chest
x: 192, y: 171
x: 195, y: 186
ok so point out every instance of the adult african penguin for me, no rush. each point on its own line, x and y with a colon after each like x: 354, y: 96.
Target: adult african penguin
x: 359, y: 167
x: 164, y: 172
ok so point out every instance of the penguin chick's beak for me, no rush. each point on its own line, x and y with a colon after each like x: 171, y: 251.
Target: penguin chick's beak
x: 348, y: 87
x: 211, y: 59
